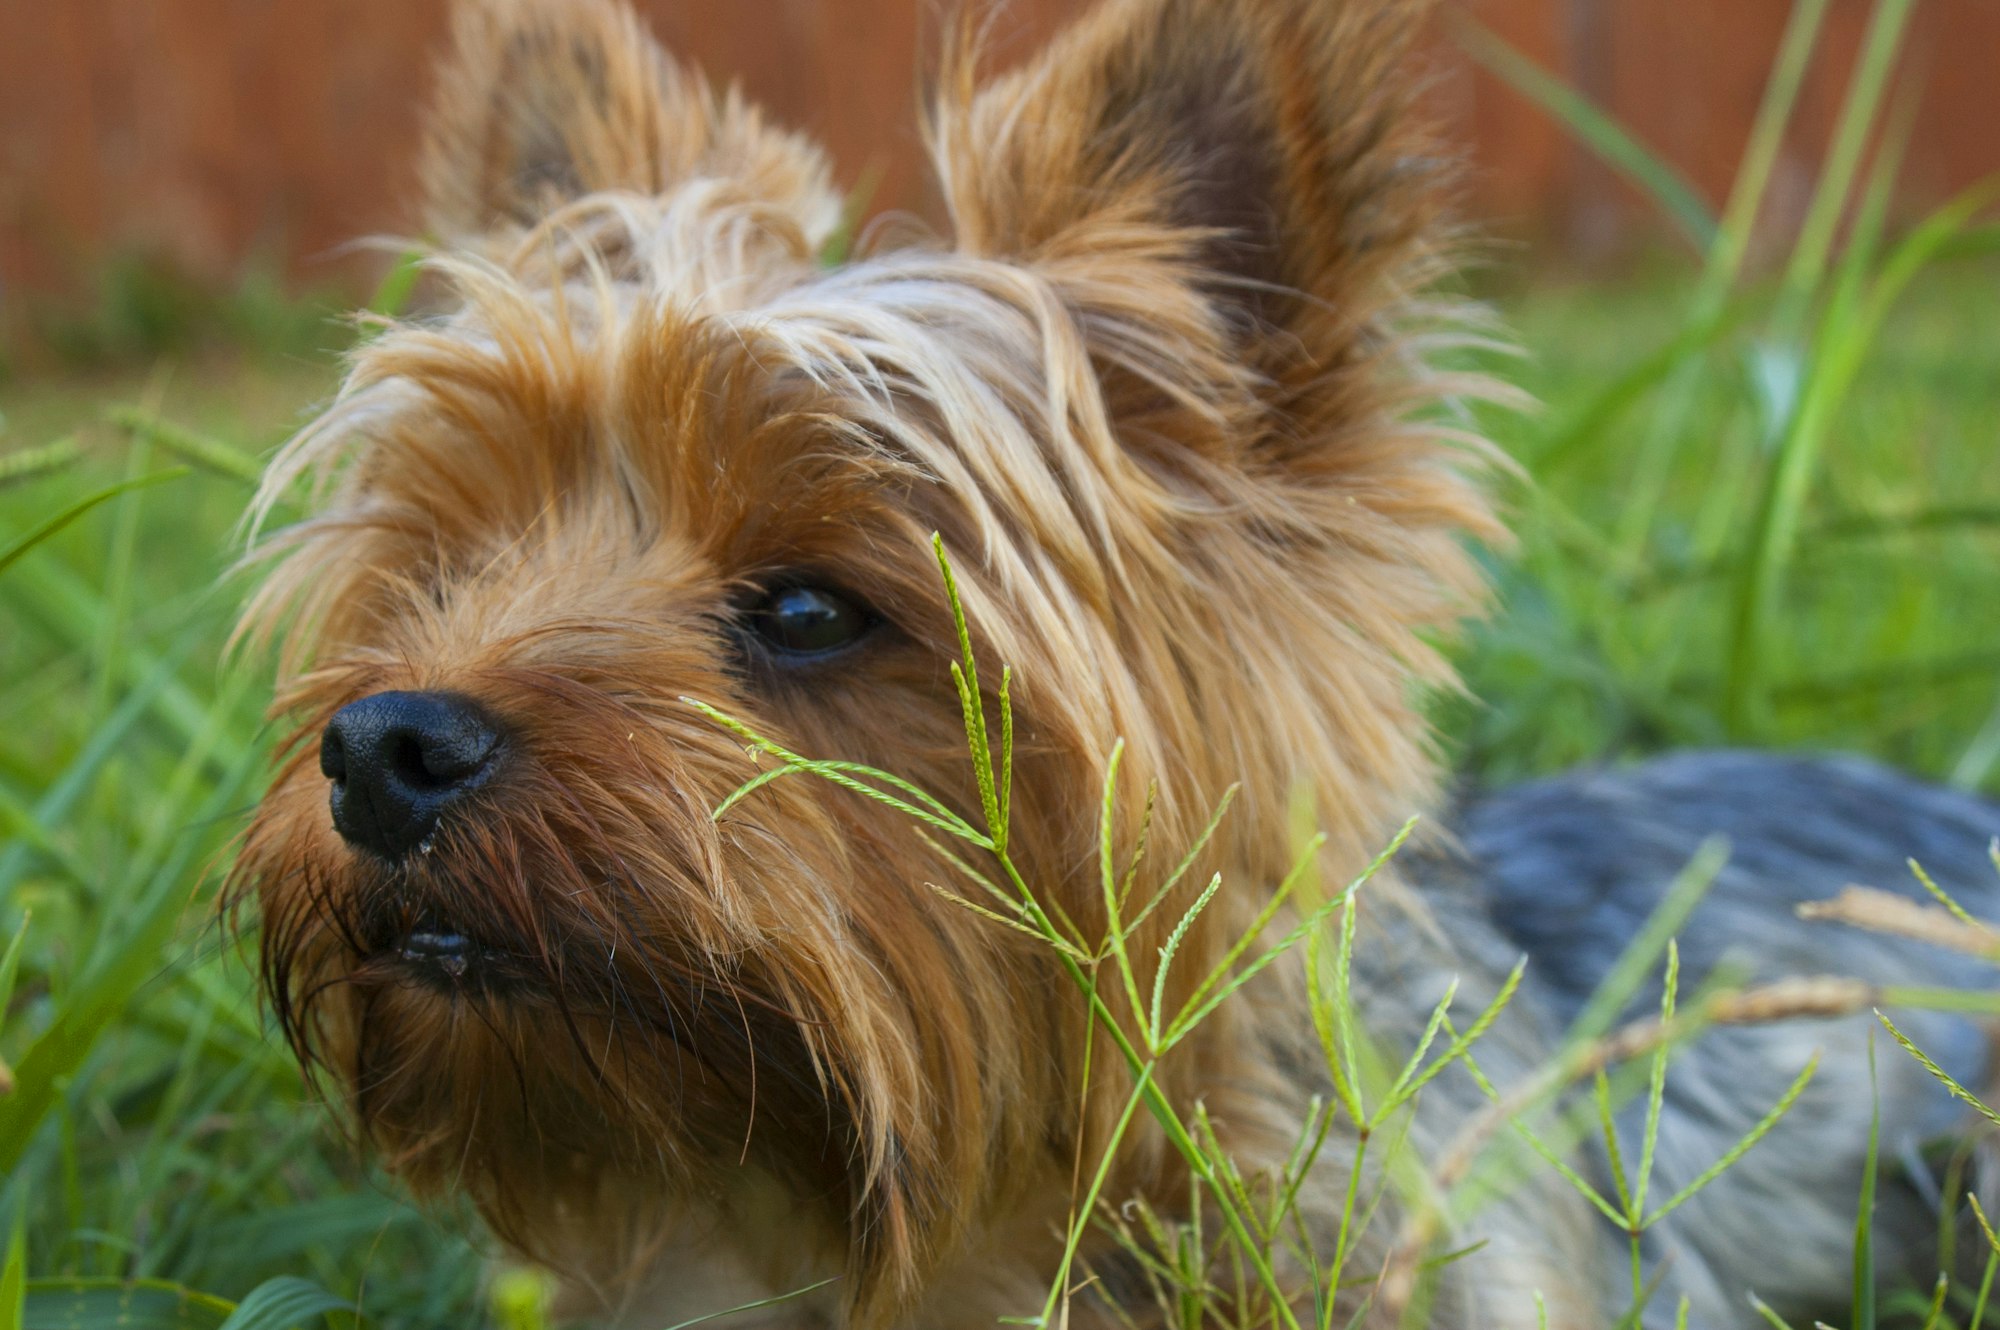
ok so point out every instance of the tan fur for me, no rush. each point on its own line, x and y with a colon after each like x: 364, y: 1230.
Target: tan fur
x: 1163, y: 390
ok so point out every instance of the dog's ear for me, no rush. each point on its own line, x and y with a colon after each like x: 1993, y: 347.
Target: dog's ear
x: 545, y: 101
x: 1269, y: 147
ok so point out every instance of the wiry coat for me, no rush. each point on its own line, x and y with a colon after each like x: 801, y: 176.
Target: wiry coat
x: 1164, y: 389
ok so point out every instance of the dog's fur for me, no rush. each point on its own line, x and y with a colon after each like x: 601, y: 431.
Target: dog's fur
x: 1165, y: 388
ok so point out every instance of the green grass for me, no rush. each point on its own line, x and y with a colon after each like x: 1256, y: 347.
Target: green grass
x: 1885, y: 638
x: 1769, y: 522
x: 156, y: 1131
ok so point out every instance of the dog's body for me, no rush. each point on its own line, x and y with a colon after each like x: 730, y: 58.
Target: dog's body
x: 1571, y: 868
x: 1164, y: 393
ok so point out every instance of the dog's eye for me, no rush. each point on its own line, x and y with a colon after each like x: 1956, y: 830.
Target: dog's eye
x: 808, y: 621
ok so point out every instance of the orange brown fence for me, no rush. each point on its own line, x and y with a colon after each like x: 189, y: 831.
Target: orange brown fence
x: 211, y: 133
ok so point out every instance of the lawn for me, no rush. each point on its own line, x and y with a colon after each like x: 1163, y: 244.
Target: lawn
x: 157, y: 1131
x: 1615, y: 627
x: 172, y: 1142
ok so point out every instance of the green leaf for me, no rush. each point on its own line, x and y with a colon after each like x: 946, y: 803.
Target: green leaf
x: 1864, y: 1215
x: 1686, y: 891
x: 1174, y: 940
x: 11, y: 554
x: 1656, y: 1087
x: 1603, y: 135
x: 105, y: 1304
x: 1589, y: 424
x: 1461, y: 1044
x: 10, y: 966
x: 200, y: 449
x: 1858, y: 114
x: 1667, y: 424
x: 1173, y: 879
x: 1205, y: 1000
x: 392, y: 294
x: 848, y: 775
x: 14, y: 1276
x: 1973, y: 242
x: 965, y: 673
x: 1936, y: 1309
x: 102, y: 994
x: 839, y: 243
x: 1607, y: 1124
x: 31, y: 463
x: 1771, y: 1318
x: 1943, y: 897
x: 1395, y: 1094
x: 1985, y: 1226
x: 1107, y: 873
x: 281, y: 1303
x: 1978, y: 1318
x: 1846, y: 336
x: 1958, y: 1091
x: 1742, y: 1147
x: 280, y: 1235
x: 74, y: 611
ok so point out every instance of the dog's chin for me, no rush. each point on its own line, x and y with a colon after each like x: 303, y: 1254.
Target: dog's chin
x: 421, y: 943
x: 447, y: 960
x: 457, y: 920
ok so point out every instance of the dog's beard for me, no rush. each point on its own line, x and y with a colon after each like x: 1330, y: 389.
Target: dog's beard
x: 548, y: 1003
x: 588, y: 1005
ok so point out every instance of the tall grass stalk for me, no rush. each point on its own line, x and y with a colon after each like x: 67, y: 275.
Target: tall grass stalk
x: 1737, y: 413
x: 1722, y: 267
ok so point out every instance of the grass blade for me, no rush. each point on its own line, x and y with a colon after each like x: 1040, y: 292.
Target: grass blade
x: 1686, y: 891
x: 1677, y: 198
x: 1845, y: 341
x: 11, y: 554
x: 754, y: 1306
x: 281, y: 1303
x: 200, y: 449
x: 32, y: 463
x: 117, y: 1304
x: 1870, y: 78
x: 14, y: 1276
x: 1958, y: 1092
x: 1864, y: 1216
x: 1742, y: 1147
x: 1721, y: 266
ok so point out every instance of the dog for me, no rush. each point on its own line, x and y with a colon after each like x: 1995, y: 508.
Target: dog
x: 1165, y: 390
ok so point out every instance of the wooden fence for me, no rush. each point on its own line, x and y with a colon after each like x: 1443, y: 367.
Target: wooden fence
x: 213, y: 132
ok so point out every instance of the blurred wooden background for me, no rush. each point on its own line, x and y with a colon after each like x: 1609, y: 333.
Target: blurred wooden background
x: 212, y: 132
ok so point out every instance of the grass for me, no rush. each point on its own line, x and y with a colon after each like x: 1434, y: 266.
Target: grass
x: 1761, y: 511
x: 155, y: 1132
x: 1886, y: 637
x: 1689, y: 505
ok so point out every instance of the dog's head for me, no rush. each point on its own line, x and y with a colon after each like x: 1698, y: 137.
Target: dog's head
x: 1162, y: 389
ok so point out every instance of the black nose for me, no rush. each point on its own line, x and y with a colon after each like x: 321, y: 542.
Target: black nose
x: 397, y: 760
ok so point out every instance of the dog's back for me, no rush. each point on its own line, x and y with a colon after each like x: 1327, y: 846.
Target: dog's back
x: 1574, y: 866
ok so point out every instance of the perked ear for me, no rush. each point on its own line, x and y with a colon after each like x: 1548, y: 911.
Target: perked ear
x: 545, y: 101
x: 1276, y: 138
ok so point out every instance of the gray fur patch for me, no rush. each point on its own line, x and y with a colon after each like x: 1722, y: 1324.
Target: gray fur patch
x: 1572, y: 867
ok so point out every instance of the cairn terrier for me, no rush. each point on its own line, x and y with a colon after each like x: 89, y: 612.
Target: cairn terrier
x: 1167, y: 389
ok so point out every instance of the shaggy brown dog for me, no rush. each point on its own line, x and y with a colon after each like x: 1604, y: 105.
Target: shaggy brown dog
x: 1163, y: 389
